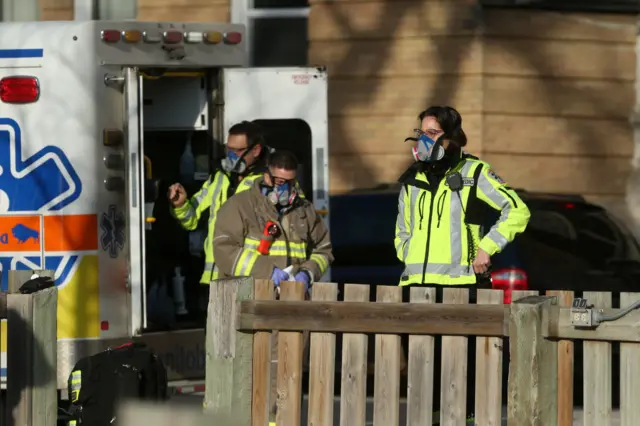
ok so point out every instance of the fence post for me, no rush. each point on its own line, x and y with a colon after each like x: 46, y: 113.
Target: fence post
x: 32, y: 353
x: 533, y: 367
x: 229, y: 352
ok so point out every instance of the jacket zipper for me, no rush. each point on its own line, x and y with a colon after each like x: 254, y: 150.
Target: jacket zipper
x: 426, y: 254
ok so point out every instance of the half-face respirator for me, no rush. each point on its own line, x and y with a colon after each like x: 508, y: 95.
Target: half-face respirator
x: 282, y: 195
x: 234, y: 163
x: 426, y: 150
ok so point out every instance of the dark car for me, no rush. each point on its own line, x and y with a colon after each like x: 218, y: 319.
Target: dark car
x: 569, y: 244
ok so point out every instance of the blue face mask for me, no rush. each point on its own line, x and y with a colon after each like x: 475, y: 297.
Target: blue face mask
x: 234, y: 162
x: 427, y: 150
x: 282, y: 195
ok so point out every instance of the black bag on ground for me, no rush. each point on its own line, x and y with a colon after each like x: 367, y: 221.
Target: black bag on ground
x: 99, y: 383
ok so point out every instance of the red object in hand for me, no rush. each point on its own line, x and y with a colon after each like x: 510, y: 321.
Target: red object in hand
x: 270, y: 231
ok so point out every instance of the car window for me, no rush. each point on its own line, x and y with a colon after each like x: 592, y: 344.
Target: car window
x: 363, y: 228
x: 553, y: 223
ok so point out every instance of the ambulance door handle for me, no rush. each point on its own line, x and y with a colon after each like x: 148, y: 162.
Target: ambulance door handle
x: 111, y: 80
x: 134, y: 180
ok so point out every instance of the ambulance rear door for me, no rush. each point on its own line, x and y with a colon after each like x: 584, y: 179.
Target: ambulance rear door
x: 291, y: 105
x: 134, y: 169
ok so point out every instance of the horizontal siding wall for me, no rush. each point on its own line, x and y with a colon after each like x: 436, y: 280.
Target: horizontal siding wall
x: 56, y: 10
x: 184, y: 10
x: 150, y: 10
x: 545, y: 96
x: 387, y: 61
x: 558, y: 92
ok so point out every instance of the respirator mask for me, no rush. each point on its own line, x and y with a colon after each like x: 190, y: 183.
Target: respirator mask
x: 234, y: 163
x: 280, y: 195
x: 426, y: 150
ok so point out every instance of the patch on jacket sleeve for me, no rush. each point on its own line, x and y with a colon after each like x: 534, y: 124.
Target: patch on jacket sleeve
x: 495, y: 176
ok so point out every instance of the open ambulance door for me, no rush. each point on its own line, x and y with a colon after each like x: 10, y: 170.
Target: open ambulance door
x: 291, y: 105
x: 134, y: 170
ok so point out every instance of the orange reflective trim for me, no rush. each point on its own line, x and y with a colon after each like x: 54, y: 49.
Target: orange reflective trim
x: 71, y: 232
x: 19, y: 233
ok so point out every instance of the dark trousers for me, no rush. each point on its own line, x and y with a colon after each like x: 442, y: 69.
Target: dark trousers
x: 471, y: 352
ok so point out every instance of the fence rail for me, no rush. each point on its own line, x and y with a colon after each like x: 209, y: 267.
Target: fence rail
x: 536, y: 329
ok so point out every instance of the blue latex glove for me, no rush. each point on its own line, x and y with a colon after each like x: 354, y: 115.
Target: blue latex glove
x: 303, y: 277
x: 278, y: 275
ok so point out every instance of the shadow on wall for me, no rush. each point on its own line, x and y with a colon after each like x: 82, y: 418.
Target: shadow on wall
x: 587, y: 108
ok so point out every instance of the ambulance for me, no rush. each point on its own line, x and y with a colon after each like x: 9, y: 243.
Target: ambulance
x: 97, y: 119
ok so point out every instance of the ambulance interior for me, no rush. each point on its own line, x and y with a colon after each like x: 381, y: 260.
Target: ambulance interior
x: 180, y: 140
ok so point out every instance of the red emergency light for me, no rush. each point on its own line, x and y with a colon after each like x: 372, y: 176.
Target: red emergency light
x: 172, y: 37
x: 111, y: 36
x: 19, y: 90
x: 232, y: 38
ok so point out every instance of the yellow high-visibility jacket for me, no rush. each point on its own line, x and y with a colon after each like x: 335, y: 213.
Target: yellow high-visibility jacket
x: 438, y: 229
x: 212, y: 196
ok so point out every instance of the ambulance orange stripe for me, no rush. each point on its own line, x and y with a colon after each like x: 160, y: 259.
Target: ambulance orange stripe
x: 19, y: 233
x: 61, y: 233
x: 71, y: 232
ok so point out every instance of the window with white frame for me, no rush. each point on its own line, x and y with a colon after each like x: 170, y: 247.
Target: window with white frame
x: 276, y: 30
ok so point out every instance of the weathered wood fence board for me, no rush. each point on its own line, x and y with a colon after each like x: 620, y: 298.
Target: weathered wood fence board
x: 386, y: 394
x: 353, y: 405
x: 31, y: 353
x: 263, y: 373
x: 565, y: 366
x: 533, y: 370
x: 453, y: 388
x: 421, y: 365
x: 597, y: 372
x: 629, y: 373
x: 290, y: 349
x: 488, y: 404
x: 229, y: 352
x: 322, y: 364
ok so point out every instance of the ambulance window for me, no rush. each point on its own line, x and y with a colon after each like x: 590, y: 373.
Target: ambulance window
x: 279, y: 42
x: 293, y: 135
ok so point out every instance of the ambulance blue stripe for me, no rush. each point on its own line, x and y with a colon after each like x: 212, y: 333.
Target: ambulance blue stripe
x: 21, y: 53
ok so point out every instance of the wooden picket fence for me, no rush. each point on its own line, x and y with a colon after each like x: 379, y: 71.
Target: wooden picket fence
x: 243, y: 315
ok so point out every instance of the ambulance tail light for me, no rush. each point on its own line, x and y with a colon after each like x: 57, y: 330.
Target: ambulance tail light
x: 172, y: 37
x: 132, y: 36
x: 110, y: 36
x: 19, y: 90
x: 233, y: 38
x: 213, y: 37
x: 508, y: 280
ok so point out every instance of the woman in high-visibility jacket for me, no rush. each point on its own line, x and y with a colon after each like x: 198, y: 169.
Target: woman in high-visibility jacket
x: 442, y: 206
x: 242, y: 165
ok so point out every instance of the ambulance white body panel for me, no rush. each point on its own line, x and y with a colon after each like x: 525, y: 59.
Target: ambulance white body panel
x: 94, y: 117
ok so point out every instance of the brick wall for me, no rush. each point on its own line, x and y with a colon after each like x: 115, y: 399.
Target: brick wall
x: 545, y: 97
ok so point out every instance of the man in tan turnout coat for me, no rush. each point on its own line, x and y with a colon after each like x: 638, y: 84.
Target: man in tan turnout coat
x: 298, y: 247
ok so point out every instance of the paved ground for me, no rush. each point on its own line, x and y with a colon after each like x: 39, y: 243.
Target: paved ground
x: 195, y: 400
